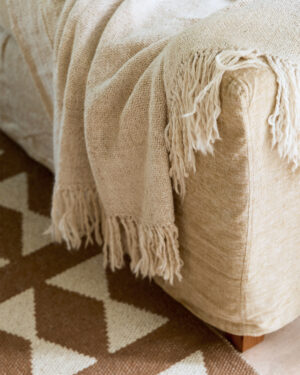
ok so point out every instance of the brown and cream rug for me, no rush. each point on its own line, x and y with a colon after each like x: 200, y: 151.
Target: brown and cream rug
x: 62, y: 314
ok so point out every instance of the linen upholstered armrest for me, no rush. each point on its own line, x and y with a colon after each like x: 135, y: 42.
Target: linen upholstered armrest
x: 239, y: 221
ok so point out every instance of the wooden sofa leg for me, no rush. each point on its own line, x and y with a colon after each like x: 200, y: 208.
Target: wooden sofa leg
x: 243, y: 343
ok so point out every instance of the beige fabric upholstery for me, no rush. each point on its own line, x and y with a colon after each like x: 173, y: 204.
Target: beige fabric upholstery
x: 238, y: 224
x: 4, y: 18
x: 22, y: 113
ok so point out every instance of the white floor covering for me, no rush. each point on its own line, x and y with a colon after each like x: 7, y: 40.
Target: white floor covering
x: 279, y: 353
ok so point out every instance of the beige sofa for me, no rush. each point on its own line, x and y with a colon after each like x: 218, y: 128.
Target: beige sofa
x: 239, y: 222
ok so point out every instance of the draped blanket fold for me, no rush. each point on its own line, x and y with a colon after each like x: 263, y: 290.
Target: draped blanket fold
x: 134, y: 94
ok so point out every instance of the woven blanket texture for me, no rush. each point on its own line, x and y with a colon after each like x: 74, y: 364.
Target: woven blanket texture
x: 133, y: 92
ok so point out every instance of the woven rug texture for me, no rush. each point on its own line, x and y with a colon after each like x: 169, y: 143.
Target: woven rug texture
x: 62, y: 314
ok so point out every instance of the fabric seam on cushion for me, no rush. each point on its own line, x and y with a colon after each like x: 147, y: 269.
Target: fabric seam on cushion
x: 248, y: 234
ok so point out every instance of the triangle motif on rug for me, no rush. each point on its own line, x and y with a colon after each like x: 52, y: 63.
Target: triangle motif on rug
x: 191, y: 365
x: 17, y: 317
x: 127, y: 323
x: 3, y: 262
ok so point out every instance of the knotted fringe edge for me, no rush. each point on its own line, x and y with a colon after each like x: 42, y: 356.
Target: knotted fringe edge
x: 195, y: 105
x: 153, y: 249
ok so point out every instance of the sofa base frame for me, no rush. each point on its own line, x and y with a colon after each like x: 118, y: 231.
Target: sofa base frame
x: 243, y: 343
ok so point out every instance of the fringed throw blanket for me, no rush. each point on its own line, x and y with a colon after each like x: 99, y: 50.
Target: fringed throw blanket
x: 134, y: 93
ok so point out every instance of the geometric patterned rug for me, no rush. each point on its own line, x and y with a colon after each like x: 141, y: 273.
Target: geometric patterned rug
x: 61, y: 313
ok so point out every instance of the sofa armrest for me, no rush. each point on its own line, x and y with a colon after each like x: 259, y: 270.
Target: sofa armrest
x: 238, y: 222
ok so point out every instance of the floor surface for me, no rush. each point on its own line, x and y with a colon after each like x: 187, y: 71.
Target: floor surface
x: 279, y: 353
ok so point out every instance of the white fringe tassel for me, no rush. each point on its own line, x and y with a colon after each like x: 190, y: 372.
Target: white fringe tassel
x: 285, y: 119
x: 194, y: 108
x: 76, y: 214
x: 153, y: 249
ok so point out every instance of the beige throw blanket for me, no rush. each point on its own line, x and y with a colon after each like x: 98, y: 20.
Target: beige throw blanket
x: 136, y: 94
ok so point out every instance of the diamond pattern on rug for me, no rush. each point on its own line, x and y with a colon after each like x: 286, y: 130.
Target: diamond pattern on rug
x: 125, y: 323
x: 14, y: 195
x: 15, y: 355
x: 61, y: 313
x: 17, y: 317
